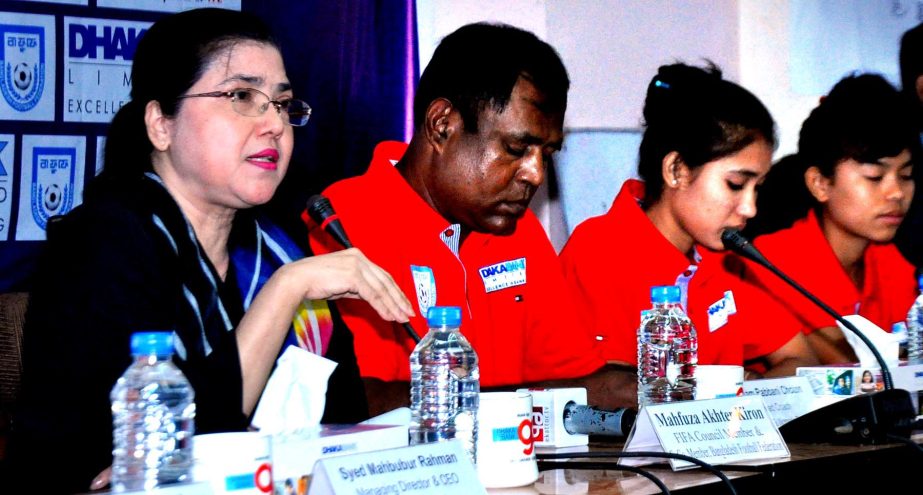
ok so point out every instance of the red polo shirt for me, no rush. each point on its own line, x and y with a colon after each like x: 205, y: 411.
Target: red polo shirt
x: 803, y: 253
x: 612, y: 261
x: 515, y: 310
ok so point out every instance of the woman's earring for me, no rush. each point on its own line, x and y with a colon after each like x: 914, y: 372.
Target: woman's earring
x: 675, y: 182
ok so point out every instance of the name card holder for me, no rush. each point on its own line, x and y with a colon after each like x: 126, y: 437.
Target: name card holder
x: 437, y: 468
x: 717, y: 431
x: 189, y: 488
x: 785, y: 398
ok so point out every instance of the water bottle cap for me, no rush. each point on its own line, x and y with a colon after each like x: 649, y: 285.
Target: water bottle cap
x: 665, y: 294
x: 443, y: 316
x: 147, y: 343
x: 920, y: 281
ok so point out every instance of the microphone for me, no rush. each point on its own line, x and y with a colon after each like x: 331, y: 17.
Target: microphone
x: 562, y: 418
x: 580, y: 419
x: 875, y: 417
x: 735, y: 241
x: 321, y: 211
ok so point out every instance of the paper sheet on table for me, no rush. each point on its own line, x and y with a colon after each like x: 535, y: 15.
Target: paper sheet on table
x: 886, y: 343
x: 399, y: 416
x: 295, y: 394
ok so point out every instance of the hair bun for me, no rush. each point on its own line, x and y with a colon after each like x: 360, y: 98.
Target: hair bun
x: 699, y: 115
x: 678, y: 89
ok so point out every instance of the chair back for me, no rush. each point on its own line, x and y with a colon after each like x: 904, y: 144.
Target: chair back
x: 12, y: 316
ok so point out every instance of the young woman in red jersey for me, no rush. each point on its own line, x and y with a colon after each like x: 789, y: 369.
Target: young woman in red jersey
x: 839, y: 202
x: 707, y: 146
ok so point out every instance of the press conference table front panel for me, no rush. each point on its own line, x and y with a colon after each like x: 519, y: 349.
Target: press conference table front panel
x: 812, y: 468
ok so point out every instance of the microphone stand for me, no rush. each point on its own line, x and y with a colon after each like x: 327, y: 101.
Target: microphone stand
x: 321, y: 211
x: 734, y: 241
x: 870, y: 417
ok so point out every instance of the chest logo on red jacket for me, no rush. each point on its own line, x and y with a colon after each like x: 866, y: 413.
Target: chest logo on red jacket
x: 424, y: 284
x: 719, y: 312
x: 503, y: 275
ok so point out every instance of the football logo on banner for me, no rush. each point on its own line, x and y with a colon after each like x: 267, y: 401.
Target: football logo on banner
x: 52, y: 182
x: 23, y: 65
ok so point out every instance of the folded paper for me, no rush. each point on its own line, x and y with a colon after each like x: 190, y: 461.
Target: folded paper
x: 886, y: 343
x: 295, y: 394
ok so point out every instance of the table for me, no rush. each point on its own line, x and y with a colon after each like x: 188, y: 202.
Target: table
x: 811, y: 468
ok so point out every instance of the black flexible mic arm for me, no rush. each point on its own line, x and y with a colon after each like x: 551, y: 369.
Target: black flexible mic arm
x: 735, y: 241
x: 321, y: 211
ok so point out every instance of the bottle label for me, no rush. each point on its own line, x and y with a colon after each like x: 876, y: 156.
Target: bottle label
x: 424, y: 283
x: 673, y: 370
x: 504, y: 275
x: 719, y: 312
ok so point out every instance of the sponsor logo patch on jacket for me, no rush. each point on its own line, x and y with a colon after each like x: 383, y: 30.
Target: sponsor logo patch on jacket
x: 503, y: 275
x: 719, y: 312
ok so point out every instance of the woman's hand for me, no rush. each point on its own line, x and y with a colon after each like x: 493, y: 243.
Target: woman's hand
x: 350, y: 274
x: 102, y: 479
x: 329, y: 276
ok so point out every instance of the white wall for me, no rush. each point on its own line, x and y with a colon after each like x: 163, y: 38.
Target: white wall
x: 765, y: 50
x: 612, y: 50
x: 794, y: 51
x: 437, y: 18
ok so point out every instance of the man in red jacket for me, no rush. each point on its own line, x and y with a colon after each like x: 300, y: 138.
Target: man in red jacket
x: 447, y: 216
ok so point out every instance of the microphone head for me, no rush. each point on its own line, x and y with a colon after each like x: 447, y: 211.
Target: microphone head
x: 319, y: 208
x: 733, y: 240
x: 321, y: 211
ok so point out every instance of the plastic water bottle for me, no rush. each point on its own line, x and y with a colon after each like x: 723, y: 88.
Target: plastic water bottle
x: 899, y: 332
x: 915, y: 326
x: 153, y: 411
x: 444, y: 383
x: 667, y: 351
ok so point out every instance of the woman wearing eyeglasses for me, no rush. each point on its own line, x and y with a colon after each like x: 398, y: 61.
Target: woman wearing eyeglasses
x: 206, y: 136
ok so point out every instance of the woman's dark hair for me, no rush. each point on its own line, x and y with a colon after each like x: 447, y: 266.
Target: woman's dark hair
x: 911, y: 65
x: 171, y: 56
x: 701, y: 116
x: 864, y: 118
x: 478, y: 65
x: 781, y: 200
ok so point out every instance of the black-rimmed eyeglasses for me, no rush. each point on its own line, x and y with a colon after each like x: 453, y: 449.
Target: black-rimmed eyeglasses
x: 251, y: 102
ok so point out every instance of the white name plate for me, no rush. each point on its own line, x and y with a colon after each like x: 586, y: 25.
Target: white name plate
x: 717, y: 431
x: 441, y: 467
x: 785, y: 398
x: 190, y: 488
